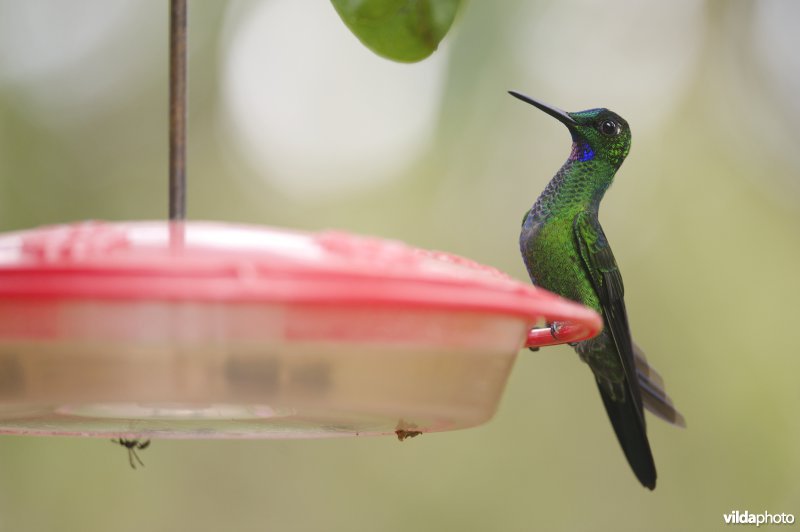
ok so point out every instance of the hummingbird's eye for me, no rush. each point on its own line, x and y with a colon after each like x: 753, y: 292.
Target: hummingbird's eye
x: 609, y: 128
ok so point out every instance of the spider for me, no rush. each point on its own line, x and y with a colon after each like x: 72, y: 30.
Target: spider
x: 132, y: 446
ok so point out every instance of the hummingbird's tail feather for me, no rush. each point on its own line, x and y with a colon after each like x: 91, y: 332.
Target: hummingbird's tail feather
x: 659, y: 404
x: 643, y: 367
x: 628, y: 423
x: 655, y: 399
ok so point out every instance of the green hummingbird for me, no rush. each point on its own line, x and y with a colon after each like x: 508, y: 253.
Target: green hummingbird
x: 566, y: 252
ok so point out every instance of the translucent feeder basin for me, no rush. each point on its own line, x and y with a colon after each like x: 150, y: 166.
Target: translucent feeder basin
x: 212, y: 330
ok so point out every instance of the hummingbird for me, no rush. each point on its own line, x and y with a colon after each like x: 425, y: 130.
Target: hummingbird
x: 566, y: 251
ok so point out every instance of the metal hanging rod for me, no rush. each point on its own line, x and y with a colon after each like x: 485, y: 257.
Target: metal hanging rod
x: 177, y: 110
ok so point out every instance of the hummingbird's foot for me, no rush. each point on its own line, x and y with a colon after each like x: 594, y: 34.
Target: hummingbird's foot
x: 555, y: 331
x: 534, y: 349
x: 554, y: 327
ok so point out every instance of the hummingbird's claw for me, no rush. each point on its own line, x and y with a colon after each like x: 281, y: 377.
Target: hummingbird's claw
x: 554, y: 330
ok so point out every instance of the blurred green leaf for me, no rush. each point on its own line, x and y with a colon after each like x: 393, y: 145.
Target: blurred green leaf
x: 401, y: 30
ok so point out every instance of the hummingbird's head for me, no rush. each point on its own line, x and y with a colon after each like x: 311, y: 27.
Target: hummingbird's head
x: 596, y: 133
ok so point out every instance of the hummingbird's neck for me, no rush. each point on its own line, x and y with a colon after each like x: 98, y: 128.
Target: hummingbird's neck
x: 578, y: 186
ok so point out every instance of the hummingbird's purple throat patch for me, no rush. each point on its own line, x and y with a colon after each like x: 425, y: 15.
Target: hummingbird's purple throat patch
x: 581, y: 152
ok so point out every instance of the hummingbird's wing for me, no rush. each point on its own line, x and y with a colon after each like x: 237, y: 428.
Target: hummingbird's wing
x: 599, y: 262
x: 625, y: 409
x: 602, y: 269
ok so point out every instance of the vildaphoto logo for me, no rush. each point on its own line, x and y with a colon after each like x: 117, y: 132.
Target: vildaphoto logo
x: 765, y: 518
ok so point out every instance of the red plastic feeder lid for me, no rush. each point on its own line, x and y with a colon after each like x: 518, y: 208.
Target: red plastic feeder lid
x: 201, y: 329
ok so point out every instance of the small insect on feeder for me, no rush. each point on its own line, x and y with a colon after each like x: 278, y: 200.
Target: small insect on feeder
x: 188, y: 329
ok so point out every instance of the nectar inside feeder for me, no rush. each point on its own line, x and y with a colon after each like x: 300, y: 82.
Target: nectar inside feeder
x: 211, y: 330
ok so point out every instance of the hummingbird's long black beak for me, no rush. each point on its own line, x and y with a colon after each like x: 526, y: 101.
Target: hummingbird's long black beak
x: 555, y: 112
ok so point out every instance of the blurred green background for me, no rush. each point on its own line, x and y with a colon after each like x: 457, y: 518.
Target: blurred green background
x: 294, y: 123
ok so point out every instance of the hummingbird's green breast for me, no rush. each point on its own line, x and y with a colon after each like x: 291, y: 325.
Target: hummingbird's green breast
x: 547, y: 239
x: 553, y: 261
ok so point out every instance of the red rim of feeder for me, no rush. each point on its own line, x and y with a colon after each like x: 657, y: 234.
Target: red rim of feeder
x: 209, y: 261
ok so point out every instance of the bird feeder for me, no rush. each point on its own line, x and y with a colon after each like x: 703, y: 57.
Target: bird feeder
x: 189, y: 329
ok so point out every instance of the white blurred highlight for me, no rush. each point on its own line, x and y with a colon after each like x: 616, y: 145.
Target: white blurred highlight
x: 65, y: 56
x: 775, y: 39
x: 617, y: 57
x: 312, y: 109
